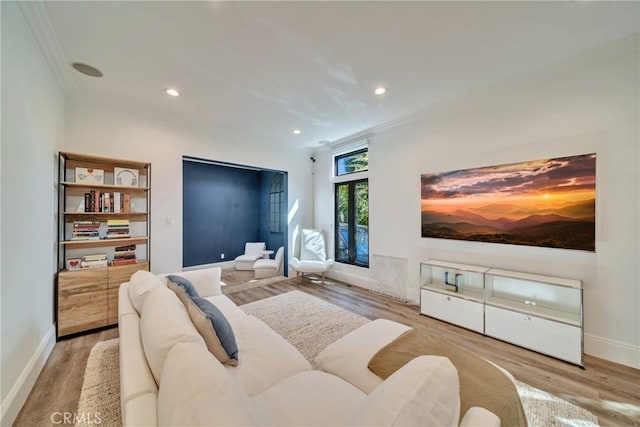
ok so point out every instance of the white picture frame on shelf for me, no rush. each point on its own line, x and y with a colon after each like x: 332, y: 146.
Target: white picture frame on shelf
x: 73, y: 263
x: 89, y: 176
x: 126, y: 177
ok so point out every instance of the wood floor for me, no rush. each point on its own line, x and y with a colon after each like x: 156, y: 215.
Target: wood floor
x: 57, y: 389
x: 609, y: 390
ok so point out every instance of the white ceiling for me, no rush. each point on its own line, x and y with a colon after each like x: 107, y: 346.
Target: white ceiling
x: 256, y: 70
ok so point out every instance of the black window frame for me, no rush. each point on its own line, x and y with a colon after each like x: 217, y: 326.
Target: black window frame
x: 349, y: 154
x: 276, y: 191
x: 351, y: 230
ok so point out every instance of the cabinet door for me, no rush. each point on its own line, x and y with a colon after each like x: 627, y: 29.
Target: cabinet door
x: 122, y: 273
x: 82, y: 300
x: 117, y: 276
x: 468, y: 314
x: 542, y: 335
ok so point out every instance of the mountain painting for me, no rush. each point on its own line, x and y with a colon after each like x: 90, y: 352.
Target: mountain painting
x: 549, y: 203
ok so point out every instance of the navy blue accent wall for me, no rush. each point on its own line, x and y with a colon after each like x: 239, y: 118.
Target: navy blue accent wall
x: 221, y: 211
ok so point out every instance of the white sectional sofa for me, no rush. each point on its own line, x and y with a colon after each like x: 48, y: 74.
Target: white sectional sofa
x: 168, y: 377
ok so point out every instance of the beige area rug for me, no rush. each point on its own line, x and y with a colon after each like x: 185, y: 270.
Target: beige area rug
x: 100, y: 396
x: 309, y: 324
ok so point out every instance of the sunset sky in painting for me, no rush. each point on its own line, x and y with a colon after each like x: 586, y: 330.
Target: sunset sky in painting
x: 514, y: 190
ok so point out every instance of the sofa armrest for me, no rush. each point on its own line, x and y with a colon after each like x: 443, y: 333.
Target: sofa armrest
x: 349, y: 356
x: 480, y: 417
x: 206, y: 280
x: 423, y: 392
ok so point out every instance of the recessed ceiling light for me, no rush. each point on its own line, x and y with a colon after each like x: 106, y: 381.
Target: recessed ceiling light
x: 297, y: 131
x: 380, y: 90
x: 86, y: 69
x: 172, y: 92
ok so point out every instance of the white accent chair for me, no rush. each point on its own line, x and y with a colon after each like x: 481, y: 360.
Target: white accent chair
x: 268, y: 267
x: 313, y: 254
x: 252, y: 252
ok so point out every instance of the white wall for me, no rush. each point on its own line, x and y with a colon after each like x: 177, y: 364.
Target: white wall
x: 590, y: 109
x: 113, y: 129
x: 32, y: 130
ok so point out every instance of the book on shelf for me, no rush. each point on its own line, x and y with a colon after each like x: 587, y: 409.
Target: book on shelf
x: 123, y: 261
x: 94, y: 264
x: 87, y: 202
x: 126, y: 203
x: 118, y: 229
x: 117, y: 202
x: 85, y: 230
x: 124, y: 255
x: 95, y: 257
x: 106, y: 202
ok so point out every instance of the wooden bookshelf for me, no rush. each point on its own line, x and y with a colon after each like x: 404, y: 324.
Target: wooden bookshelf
x: 75, y: 244
x: 83, y: 186
x: 103, y: 216
x: 88, y: 298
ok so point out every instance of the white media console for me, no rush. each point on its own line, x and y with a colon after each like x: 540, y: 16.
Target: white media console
x: 541, y: 313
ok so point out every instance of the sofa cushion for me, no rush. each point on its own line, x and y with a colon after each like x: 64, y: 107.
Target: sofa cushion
x: 215, y: 329
x: 313, y: 248
x: 424, y: 392
x: 308, y: 398
x: 196, y: 390
x: 254, y: 248
x: 349, y: 356
x: 250, y: 257
x: 141, y: 282
x: 230, y: 310
x: 266, y: 357
x: 310, y: 266
x: 206, y: 281
x: 164, y: 322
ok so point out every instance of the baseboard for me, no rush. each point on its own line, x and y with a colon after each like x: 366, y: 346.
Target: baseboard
x: 614, y: 351
x: 350, y: 278
x: 222, y: 264
x: 18, y: 394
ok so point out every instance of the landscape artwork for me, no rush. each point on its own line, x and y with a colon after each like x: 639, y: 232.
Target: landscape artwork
x: 549, y: 203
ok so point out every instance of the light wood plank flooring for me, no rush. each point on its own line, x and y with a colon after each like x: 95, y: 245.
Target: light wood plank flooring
x: 609, y: 390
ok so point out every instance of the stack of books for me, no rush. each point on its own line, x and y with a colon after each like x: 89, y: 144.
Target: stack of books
x: 85, y: 230
x: 124, y: 255
x: 94, y: 261
x: 117, y: 228
x: 116, y: 202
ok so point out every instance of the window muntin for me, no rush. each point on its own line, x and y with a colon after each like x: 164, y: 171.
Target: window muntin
x: 276, y: 192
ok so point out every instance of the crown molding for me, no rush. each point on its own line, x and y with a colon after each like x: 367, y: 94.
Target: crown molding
x: 39, y: 23
x: 616, y: 48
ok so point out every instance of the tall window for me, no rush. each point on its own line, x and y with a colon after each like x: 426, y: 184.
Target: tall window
x: 275, y: 204
x: 352, y: 210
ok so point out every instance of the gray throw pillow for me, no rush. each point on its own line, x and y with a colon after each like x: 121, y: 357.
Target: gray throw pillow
x: 215, y: 330
x: 183, y: 288
x: 185, y: 284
